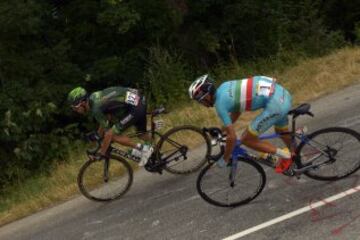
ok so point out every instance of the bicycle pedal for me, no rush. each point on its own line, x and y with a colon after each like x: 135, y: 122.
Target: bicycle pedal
x: 289, y: 172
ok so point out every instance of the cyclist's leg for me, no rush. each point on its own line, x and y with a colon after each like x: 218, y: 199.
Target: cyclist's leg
x: 269, y: 117
x: 275, y: 113
x: 282, y: 125
x: 141, y: 121
x: 132, y: 118
x: 259, y: 125
x: 138, y: 119
x: 286, y: 138
x: 124, y: 140
x: 119, y: 128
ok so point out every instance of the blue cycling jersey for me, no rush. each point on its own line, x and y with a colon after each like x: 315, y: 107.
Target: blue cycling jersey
x: 252, y: 94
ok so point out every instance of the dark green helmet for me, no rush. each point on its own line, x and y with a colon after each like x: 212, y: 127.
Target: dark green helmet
x: 77, y: 95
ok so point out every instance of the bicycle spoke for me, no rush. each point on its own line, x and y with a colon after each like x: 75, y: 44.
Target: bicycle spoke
x: 185, y: 149
x: 340, y: 148
x: 214, y: 185
x: 103, y: 181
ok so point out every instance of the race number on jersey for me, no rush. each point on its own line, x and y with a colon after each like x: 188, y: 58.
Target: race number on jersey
x: 265, y: 87
x: 132, y: 98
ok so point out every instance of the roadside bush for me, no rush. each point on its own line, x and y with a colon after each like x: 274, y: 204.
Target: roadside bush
x: 166, y: 77
x: 30, y: 142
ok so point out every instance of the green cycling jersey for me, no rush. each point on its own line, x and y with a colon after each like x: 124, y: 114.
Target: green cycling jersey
x: 112, y: 104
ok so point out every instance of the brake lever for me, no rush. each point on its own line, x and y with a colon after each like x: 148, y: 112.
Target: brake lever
x: 214, y: 132
x: 310, y: 114
x: 93, y: 137
x: 91, y: 152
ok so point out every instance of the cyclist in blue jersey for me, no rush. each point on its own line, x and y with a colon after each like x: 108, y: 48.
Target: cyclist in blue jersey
x: 232, y: 98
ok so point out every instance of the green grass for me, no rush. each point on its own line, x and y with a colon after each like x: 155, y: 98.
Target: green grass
x: 41, y: 191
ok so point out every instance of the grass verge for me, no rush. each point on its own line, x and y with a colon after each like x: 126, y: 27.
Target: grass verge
x: 309, y: 79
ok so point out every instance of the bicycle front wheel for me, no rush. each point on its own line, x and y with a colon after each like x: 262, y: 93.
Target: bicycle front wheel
x: 105, y: 180
x: 336, y: 150
x: 185, y: 149
x: 214, y: 186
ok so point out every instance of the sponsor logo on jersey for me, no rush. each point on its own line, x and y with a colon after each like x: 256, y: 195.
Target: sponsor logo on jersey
x: 126, y: 120
x: 231, y: 90
x: 108, y: 96
x: 264, y: 120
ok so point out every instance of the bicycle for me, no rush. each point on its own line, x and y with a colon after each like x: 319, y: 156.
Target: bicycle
x: 181, y: 150
x: 318, y: 155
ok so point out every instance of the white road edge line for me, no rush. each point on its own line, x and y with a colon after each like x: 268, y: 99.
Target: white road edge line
x: 294, y: 213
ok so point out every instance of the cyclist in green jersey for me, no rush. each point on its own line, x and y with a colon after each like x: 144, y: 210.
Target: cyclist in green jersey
x: 232, y: 98
x: 115, y: 109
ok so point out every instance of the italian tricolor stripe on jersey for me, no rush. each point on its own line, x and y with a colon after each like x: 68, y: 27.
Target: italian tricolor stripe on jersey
x: 243, y: 95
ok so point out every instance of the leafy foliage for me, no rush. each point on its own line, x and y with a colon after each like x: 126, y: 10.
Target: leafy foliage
x: 49, y: 47
x: 166, y: 77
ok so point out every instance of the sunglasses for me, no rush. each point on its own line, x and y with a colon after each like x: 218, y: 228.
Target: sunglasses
x: 201, y: 98
x: 76, y: 104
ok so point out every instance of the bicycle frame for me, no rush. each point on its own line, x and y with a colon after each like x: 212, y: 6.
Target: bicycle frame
x: 240, y: 151
x: 153, y: 133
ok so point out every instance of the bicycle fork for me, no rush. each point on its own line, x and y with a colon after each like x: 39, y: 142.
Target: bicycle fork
x: 232, y: 174
x: 106, y: 170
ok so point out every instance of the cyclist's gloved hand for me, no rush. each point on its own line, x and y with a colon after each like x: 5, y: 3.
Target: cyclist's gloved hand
x: 97, y: 156
x: 92, y: 136
x: 221, y: 162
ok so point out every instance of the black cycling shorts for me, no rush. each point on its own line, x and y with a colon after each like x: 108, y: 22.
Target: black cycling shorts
x: 136, y: 117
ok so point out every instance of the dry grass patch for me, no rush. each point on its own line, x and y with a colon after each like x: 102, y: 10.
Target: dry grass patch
x: 316, y: 77
x: 42, y: 191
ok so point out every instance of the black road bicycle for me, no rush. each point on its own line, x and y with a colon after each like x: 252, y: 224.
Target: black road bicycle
x: 181, y: 150
x: 327, y: 154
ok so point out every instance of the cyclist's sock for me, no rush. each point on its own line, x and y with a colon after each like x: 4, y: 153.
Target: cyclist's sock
x: 146, y: 152
x: 283, y: 153
x: 147, y: 142
x: 284, y: 160
x: 135, y: 152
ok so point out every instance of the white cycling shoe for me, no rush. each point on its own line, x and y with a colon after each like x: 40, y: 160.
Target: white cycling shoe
x: 146, y: 152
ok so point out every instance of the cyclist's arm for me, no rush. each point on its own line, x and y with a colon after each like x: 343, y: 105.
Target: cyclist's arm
x: 102, y: 120
x: 234, y: 117
x: 227, y: 118
x: 106, y: 141
x: 124, y: 123
x: 230, y: 141
x: 101, y: 131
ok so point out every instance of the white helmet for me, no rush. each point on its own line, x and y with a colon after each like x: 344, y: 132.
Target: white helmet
x: 201, y: 87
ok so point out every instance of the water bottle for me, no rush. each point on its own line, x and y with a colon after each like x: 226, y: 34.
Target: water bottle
x: 135, y: 153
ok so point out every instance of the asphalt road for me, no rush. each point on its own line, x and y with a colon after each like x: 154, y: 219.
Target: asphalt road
x: 168, y: 206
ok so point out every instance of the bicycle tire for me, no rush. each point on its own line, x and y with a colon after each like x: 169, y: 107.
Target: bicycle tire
x: 319, y: 174
x: 210, y: 171
x: 201, y: 145
x: 94, y: 187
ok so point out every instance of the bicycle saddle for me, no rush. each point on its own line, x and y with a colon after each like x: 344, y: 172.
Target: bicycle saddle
x: 300, y: 110
x: 158, y: 111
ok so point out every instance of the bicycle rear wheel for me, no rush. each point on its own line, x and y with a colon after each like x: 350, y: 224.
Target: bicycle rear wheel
x: 337, y: 148
x: 214, y: 186
x: 105, y: 180
x: 185, y: 149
